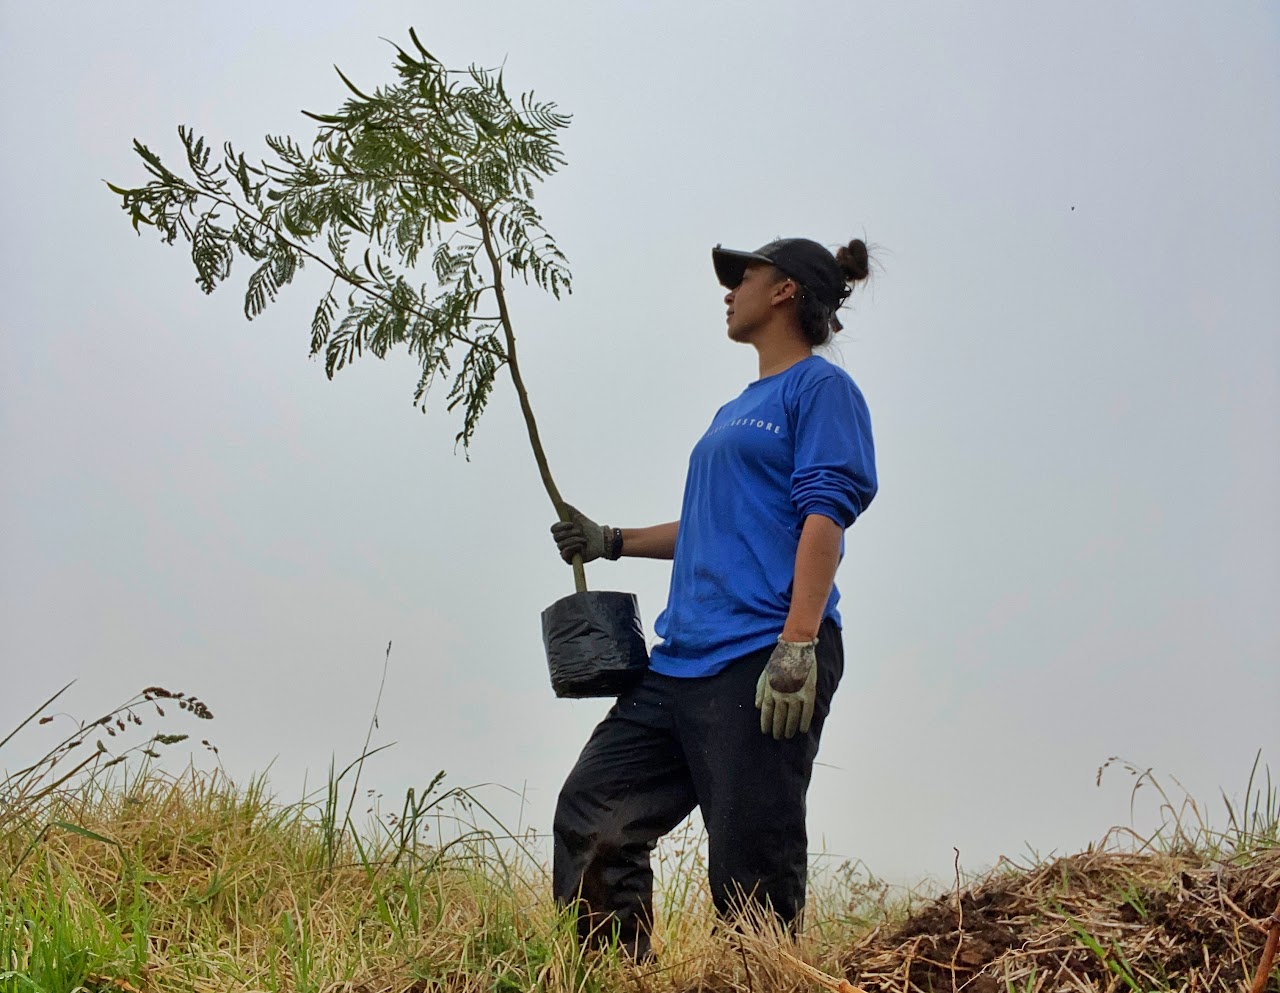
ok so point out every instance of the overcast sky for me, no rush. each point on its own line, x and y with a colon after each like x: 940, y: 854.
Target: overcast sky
x: 1069, y: 349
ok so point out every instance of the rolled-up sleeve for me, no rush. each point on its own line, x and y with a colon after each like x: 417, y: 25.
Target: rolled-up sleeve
x: 835, y: 461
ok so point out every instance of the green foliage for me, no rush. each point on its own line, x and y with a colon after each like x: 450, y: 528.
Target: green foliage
x: 441, y: 162
x: 52, y: 938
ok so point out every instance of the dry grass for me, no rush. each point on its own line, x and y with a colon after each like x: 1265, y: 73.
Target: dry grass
x: 1102, y: 920
x: 1185, y: 909
x: 190, y: 883
x: 153, y: 883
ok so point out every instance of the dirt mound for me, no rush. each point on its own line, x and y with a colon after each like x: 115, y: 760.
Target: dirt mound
x: 1096, y: 921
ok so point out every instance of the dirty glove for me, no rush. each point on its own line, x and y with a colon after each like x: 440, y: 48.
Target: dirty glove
x: 583, y: 536
x: 788, y: 689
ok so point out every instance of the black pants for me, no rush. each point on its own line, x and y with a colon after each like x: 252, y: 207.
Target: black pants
x: 670, y: 745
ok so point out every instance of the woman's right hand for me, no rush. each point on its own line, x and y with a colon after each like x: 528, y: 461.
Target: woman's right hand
x: 580, y: 535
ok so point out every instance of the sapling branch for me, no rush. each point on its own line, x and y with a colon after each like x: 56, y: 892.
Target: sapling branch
x: 339, y: 272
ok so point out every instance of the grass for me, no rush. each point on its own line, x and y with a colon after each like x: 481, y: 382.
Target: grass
x: 191, y: 883
x: 121, y: 878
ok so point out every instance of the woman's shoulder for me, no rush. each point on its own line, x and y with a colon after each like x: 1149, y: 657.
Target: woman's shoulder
x: 818, y: 371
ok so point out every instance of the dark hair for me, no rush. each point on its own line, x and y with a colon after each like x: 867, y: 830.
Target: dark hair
x: 818, y: 320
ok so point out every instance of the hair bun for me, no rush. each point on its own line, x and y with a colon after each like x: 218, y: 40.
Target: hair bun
x: 853, y: 261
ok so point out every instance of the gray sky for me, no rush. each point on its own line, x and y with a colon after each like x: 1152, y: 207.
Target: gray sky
x: 1070, y: 354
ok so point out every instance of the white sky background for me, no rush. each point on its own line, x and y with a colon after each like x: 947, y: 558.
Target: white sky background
x: 1071, y: 357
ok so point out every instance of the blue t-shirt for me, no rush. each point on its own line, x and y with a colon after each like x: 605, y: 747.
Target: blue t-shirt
x: 792, y: 444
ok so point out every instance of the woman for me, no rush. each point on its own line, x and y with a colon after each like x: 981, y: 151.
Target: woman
x: 751, y: 617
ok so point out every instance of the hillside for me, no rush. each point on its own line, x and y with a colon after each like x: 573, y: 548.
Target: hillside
x: 138, y: 881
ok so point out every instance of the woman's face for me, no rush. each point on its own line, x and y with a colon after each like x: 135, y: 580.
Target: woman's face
x: 749, y: 305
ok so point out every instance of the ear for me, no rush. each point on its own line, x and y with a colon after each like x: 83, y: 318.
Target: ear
x: 783, y: 290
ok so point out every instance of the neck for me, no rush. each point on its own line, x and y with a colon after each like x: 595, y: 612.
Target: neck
x: 779, y: 352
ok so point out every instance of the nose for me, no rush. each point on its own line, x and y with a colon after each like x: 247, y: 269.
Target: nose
x: 728, y: 297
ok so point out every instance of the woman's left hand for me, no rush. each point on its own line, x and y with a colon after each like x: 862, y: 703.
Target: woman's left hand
x: 787, y: 690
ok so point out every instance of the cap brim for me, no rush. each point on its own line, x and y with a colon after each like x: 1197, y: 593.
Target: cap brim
x: 730, y: 264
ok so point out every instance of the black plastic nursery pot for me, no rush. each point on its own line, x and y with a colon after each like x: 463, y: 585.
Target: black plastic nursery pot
x: 595, y: 644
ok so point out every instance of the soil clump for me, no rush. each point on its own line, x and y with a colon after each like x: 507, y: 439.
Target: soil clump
x: 1100, y: 920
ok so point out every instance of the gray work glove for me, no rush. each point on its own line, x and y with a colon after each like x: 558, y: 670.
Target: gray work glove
x: 581, y: 536
x: 788, y: 689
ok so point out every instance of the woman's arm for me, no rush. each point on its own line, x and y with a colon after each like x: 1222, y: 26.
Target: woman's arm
x: 656, y: 542
x: 816, y: 559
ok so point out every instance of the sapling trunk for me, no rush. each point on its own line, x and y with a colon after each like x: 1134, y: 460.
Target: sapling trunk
x: 539, y: 455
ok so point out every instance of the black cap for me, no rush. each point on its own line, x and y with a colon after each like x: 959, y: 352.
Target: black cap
x: 805, y: 261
